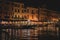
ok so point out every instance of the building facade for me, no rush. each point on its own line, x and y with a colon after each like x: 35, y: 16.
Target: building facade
x: 15, y: 12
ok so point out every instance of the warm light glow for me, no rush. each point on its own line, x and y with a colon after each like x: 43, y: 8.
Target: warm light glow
x: 4, y: 22
x: 54, y: 19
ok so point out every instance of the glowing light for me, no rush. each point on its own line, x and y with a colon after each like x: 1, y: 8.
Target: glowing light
x: 4, y: 22
x: 28, y: 20
x: 55, y: 19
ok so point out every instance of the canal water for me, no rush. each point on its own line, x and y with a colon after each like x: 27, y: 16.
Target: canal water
x: 47, y: 32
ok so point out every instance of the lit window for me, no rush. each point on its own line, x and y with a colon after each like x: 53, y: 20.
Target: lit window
x: 27, y: 16
x: 15, y: 16
x: 24, y: 10
x: 18, y: 16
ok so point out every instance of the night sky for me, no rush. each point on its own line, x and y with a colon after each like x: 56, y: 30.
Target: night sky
x: 50, y: 4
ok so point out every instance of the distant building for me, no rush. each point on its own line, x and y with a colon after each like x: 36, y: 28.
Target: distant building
x: 17, y: 11
x: 14, y: 11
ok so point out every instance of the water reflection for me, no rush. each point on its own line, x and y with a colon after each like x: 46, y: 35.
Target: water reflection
x: 41, y: 32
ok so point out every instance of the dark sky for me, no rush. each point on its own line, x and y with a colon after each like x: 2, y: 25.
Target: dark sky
x: 50, y: 4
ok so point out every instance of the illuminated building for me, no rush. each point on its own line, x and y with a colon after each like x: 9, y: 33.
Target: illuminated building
x: 16, y: 12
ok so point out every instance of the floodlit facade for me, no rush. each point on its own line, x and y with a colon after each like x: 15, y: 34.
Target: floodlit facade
x: 17, y: 14
x: 16, y: 11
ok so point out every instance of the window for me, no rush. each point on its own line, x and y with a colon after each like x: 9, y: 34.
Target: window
x: 15, y: 16
x: 18, y: 17
x: 24, y: 10
x: 15, y: 10
x: 32, y: 12
x: 27, y: 10
x: 18, y: 10
x: 25, y: 17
